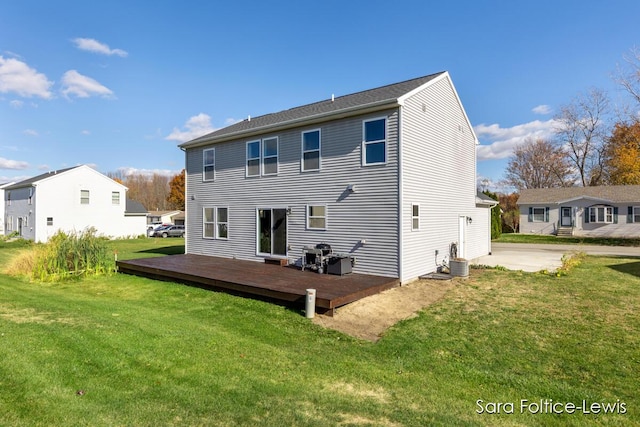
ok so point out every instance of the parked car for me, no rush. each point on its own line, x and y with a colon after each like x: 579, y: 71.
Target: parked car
x: 151, y: 227
x: 169, y: 231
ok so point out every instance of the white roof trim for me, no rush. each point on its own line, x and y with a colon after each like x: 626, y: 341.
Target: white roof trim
x: 444, y: 75
x: 597, y: 199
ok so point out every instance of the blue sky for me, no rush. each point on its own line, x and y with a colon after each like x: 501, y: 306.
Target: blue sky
x: 119, y: 84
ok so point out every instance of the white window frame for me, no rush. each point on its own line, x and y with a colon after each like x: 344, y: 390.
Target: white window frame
x: 259, y: 158
x: 366, y: 143
x: 115, y: 200
x: 206, y: 165
x: 318, y: 150
x: 533, y: 214
x: 310, y: 217
x: 415, y: 219
x: 49, y: 220
x: 271, y: 156
x: 607, y: 215
x: 219, y: 223
x: 8, y: 198
x: 215, y: 223
x: 87, y: 198
x: 10, y: 223
x: 635, y: 214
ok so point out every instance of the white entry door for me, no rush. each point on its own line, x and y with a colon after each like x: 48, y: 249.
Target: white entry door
x: 565, y: 219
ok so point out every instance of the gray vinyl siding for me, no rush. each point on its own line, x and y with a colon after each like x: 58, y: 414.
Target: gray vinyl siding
x: 438, y: 173
x: 369, y: 214
x: 20, y: 208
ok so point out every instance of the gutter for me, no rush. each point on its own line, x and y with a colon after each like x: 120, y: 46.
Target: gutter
x: 346, y: 112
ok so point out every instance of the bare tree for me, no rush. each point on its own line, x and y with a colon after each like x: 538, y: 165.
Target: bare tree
x: 581, y: 131
x: 629, y: 77
x: 538, y: 164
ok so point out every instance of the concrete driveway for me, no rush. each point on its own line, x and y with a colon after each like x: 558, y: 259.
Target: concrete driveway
x: 536, y: 257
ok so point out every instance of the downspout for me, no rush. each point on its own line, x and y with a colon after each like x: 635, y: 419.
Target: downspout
x: 400, y: 199
x: 186, y: 214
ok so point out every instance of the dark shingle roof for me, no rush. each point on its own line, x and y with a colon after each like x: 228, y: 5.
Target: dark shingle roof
x: 611, y: 193
x: 28, y: 182
x: 339, y: 105
x: 134, y: 207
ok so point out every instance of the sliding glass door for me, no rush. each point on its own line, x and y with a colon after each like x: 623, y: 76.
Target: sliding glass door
x: 272, y: 231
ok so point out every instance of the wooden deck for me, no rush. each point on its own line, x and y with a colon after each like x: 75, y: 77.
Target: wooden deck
x: 285, y: 284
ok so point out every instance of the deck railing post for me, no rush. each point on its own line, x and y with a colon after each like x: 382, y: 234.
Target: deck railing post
x: 310, y: 304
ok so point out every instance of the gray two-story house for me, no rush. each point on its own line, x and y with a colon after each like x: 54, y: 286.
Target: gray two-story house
x: 387, y: 175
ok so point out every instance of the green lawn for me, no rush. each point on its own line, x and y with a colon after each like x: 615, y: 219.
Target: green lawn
x: 539, y: 238
x: 124, y: 350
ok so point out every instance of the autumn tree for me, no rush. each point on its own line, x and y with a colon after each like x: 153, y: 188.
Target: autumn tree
x: 623, y: 154
x: 150, y: 190
x: 177, y: 191
x: 581, y: 132
x: 629, y: 76
x: 510, y: 212
x: 538, y: 164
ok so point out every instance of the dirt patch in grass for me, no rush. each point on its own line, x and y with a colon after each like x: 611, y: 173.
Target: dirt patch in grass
x: 29, y: 315
x: 370, y: 317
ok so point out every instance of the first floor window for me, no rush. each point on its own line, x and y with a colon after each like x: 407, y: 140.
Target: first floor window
x: 9, y: 223
x: 602, y: 214
x: 222, y: 223
x: 538, y: 214
x: 374, y: 146
x: 84, y: 197
x: 317, y: 217
x: 49, y: 220
x: 415, y: 217
x: 636, y: 214
x: 215, y: 223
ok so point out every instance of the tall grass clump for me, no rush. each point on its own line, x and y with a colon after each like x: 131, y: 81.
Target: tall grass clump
x: 73, y: 255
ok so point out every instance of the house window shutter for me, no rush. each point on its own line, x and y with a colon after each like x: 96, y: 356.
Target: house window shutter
x: 615, y: 214
x: 629, y: 214
x: 546, y: 214
x: 586, y: 215
x: 530, y: 219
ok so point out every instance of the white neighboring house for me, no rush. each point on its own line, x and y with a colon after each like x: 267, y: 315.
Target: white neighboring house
x: 387, y: 175
x: 71, y: 199
x: 2, y: 186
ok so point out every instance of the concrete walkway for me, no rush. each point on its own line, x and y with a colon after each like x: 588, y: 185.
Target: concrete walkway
x: 535, y: 257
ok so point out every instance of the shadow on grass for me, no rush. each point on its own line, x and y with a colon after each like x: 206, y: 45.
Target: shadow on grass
x: 632, y: 268
x: 165, y: 250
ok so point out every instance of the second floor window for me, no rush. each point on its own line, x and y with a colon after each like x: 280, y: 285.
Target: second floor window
x: 262, y: 157
x: 208, y: 164
x: 115, y: 197
x: 374, y: 145
x: 311, y: 150
x: 84, y: 197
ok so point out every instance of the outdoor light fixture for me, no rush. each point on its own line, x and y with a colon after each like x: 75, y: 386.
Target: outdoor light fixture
x: 351, y: 188
x: 469, y: 220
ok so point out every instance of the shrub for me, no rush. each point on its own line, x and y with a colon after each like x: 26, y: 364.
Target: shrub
x: 73, y: 255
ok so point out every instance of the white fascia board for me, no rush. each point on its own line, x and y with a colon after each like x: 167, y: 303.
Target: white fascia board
x: 595, y: 199
x: 444, y: 75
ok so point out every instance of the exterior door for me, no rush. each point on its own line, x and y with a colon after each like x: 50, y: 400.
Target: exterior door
x: 565, y: 217
x: 19, y: 226
x: 272, y: 232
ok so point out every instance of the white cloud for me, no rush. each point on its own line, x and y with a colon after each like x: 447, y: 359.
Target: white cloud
x: 17, y: 77
x: 17, y: 104
x: 127, y: 171
x: 44, y: 168
x: 542, y: 109
x: 30, y: 132
x: 500, y: 142
x: 74, y: 83
x: 85, y: 132
x: 12, y: 164
x: 93, y: 45
x: 195, y: 127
